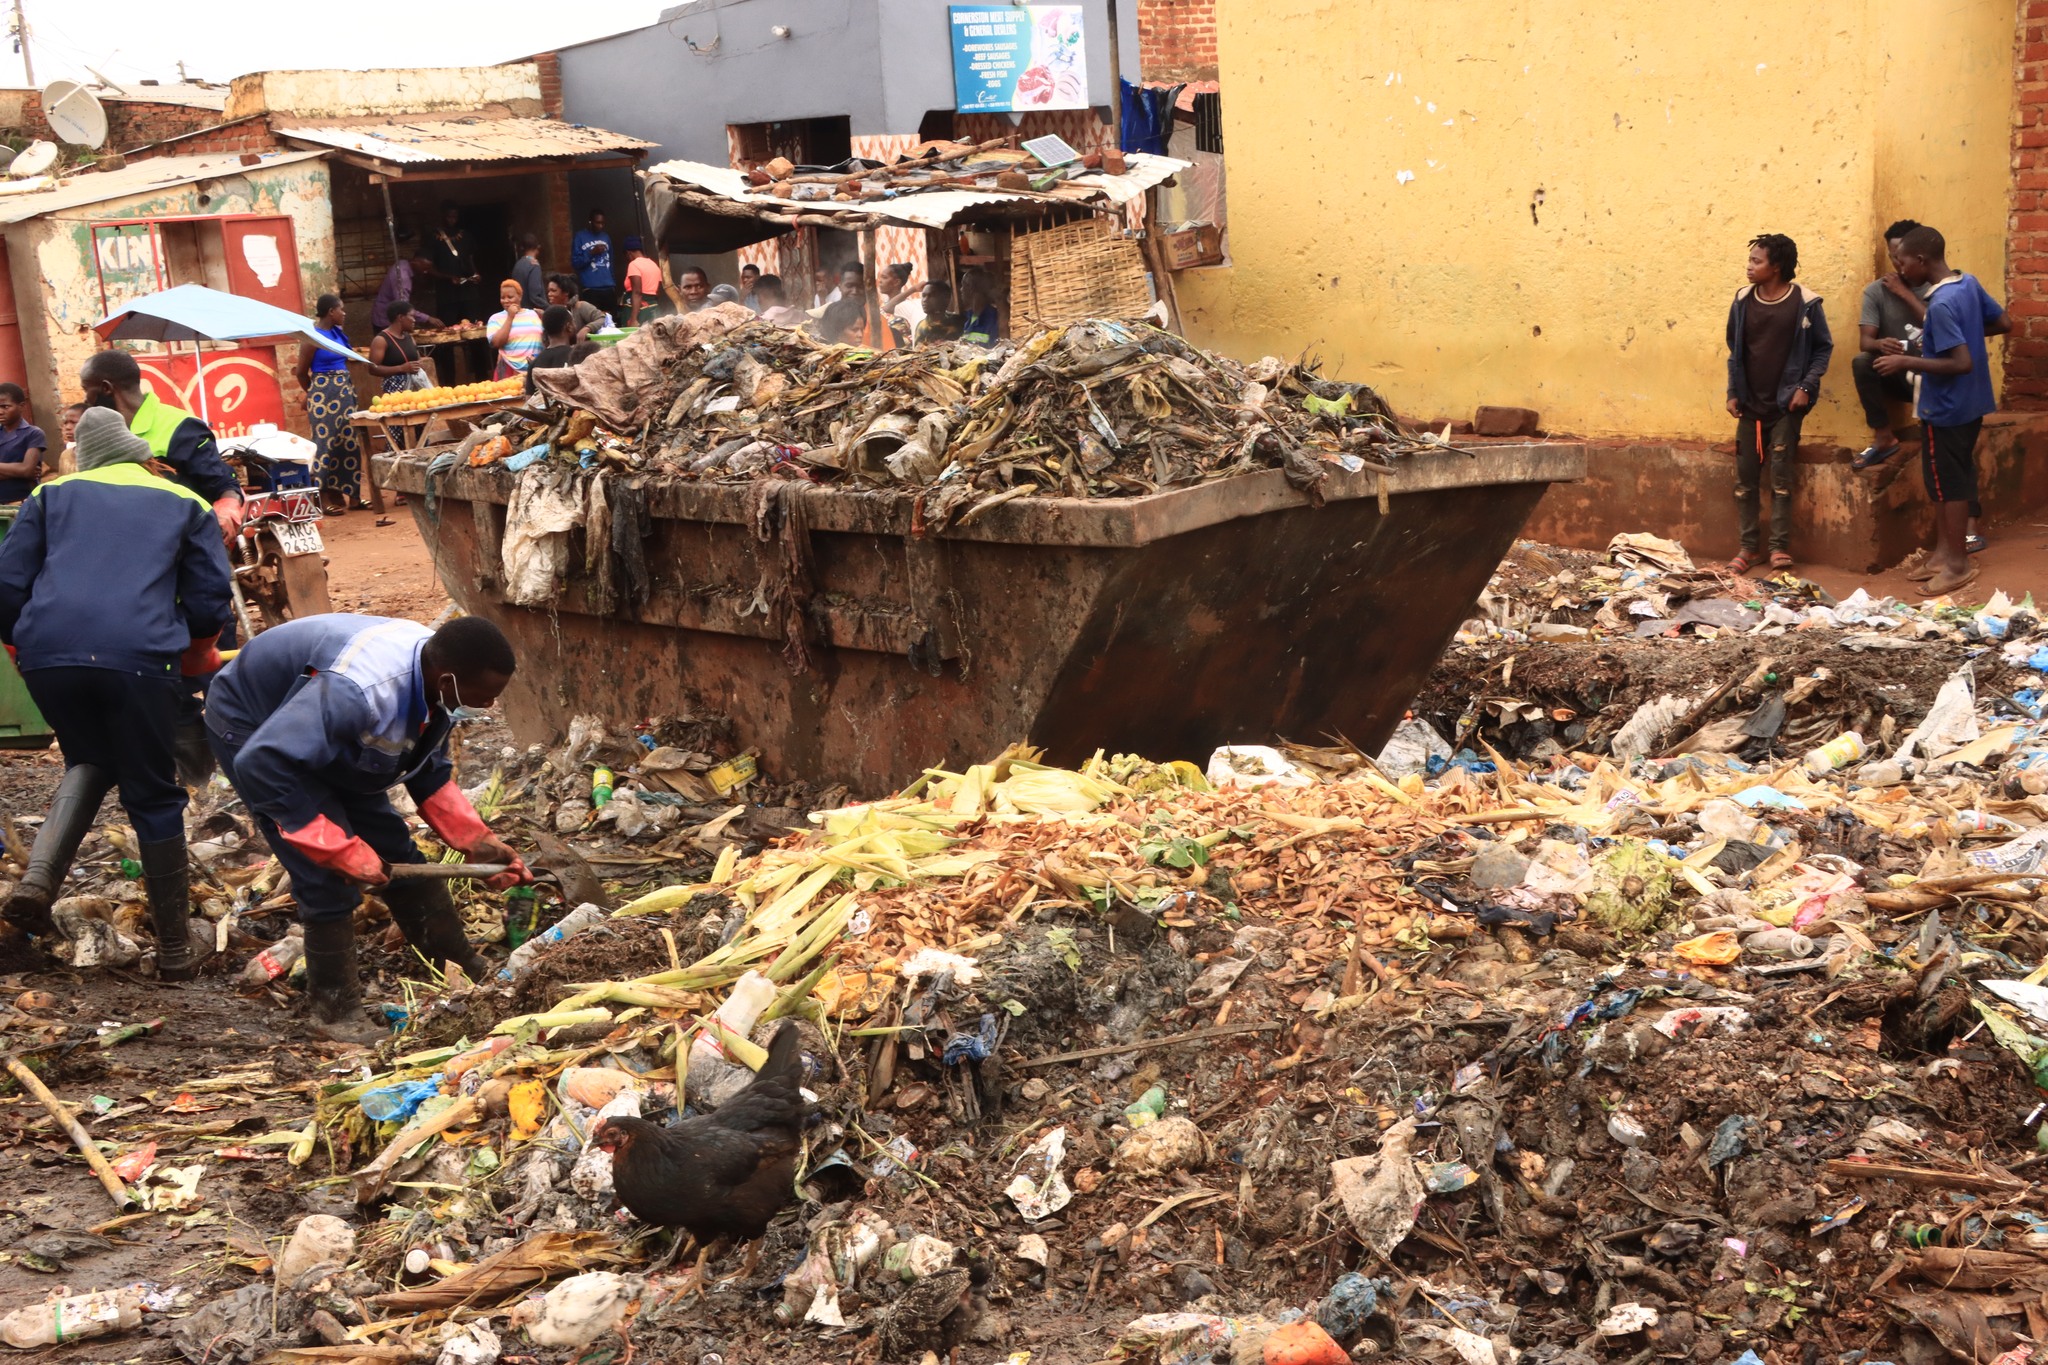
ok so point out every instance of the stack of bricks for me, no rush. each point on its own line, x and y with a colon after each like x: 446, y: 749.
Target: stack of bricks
x: 1177, y: 39
x: 549, y: 65
x: 2026, y: 271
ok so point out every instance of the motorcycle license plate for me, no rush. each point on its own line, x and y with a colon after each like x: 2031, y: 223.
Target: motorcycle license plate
x: 299, y: 537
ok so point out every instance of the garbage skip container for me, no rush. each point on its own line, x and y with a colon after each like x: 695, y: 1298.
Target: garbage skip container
x: 21, y: 725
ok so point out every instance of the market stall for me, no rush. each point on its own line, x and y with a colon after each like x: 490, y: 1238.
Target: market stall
x: 1057, y: 242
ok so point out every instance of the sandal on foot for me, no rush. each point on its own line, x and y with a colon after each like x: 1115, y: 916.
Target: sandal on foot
x: 1942, y: 584
x: 1780, y: 560
x: 1741, y: 564
x: 1872, y: 457
x: 1918, y: 567
x: 1975, y: 545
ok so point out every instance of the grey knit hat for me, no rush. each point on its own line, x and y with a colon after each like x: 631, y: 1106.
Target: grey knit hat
x: 104, y: 439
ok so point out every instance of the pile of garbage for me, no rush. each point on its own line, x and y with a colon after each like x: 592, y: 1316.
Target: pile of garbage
x: 1096, y: 409
x: 1635, y: 651
x: 1715, y: 1052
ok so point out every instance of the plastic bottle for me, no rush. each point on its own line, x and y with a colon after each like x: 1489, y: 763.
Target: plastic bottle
x: 522, y: 912
x: 275, y: 961
x: 319, y: 1239
x: 571, y: 924
x: 601, y: 783
x: 1836, y: 754
x: 1890, y: 772
x: 98, y: 1314
x: 711, y: 1075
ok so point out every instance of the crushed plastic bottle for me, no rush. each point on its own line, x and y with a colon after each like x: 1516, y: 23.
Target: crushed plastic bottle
x: 276, y: 961
x: 571, y: 924
x: 1836, y: 754
x: 98, y: 1314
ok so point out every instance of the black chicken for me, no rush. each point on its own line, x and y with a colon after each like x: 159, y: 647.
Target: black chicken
x: 725, y: 1174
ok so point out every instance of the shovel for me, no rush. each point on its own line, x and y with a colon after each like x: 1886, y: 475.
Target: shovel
x: 407, y: 872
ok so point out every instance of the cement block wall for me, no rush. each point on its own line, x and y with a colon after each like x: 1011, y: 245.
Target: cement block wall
x: 1865, y: 522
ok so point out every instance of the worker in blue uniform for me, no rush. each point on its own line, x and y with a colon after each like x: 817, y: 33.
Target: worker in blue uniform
x: 186, y: 453
x: 314, y: 721
x: 114, y: 586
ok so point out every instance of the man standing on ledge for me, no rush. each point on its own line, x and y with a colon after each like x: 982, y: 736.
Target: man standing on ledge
x: 314, y: 721
x: 1778, y: 348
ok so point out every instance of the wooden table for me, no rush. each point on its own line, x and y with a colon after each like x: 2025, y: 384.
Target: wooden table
x: 408, y: 430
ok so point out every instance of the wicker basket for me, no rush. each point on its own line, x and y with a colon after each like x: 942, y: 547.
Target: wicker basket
x: 1077, y: 270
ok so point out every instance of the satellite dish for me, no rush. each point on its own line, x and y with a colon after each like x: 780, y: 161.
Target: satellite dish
x: 74, y: 114
x: 34, y: 159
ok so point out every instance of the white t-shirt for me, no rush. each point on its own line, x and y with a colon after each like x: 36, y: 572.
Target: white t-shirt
x: 910, y: 311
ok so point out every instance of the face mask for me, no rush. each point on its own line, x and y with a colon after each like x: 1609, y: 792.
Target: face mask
x: 459, y: 711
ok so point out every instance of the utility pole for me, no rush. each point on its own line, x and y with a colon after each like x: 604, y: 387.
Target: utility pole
x: 28, y: 65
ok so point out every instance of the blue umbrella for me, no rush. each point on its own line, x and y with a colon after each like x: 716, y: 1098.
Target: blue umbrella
x: 194, y: 313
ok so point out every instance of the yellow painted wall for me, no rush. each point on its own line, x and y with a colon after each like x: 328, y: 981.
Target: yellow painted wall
x: 1547, y: 204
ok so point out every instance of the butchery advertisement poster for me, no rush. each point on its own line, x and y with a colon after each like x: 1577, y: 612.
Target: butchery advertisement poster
x: 1016, y: 58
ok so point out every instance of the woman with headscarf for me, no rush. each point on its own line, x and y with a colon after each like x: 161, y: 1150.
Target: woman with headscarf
x: 330, y: 396
x: 114, y: 588
x: 514, y: 331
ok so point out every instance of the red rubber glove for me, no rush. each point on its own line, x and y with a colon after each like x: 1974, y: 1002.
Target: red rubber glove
x: 449, y: 814
x: 201, y: 657
x: 229, y: 511
x: 327, y: 844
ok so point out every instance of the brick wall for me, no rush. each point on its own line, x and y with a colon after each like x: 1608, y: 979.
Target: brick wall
x: 1177, y: 39
x: 251, y: 134
x: 133, y: 123
x: 549, y: 64
x: 2026, y: 254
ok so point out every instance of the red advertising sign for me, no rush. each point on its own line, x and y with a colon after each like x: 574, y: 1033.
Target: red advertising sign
x: 241, y: 387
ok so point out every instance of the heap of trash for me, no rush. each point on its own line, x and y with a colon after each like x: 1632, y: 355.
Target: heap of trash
x: 1096, y: 409
x: 1590, y: 1046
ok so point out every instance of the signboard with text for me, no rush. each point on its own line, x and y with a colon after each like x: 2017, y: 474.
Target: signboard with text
x: 1015, y: 58
x: 242, y: 388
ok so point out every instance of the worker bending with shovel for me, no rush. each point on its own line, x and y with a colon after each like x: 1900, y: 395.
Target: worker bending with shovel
x: 114, y: 588
x: 314, y: 721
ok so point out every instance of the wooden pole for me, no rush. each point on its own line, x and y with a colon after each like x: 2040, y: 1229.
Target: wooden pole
x: 1116, y: 80
x: 871, y: 251
x: 79, y: 1137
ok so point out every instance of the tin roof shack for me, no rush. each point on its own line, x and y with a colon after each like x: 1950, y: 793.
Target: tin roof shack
x: 255, y: 225
x: 730, y: 81
x: 1053, y: 255
x: 403, y: 142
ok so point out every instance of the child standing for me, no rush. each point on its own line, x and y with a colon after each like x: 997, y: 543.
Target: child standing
x: 1778, y: 349
x: 1954, y: 373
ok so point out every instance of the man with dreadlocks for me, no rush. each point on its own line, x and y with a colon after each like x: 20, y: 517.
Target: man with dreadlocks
x: 1778, y: 348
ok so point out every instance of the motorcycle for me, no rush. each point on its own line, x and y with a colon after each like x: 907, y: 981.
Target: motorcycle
x: 279, y: 556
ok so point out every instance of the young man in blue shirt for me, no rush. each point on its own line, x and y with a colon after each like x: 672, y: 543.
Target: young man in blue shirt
x: 1954, y: 375
x: 22, y: 446
x: 591, y: 251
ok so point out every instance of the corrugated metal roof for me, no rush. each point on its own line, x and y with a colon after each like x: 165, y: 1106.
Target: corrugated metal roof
x: 416, y: 140
x: 138, y: 177
x: 922, y: 208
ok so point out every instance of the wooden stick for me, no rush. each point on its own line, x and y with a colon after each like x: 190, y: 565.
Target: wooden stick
x: 79, y: 1137
x: 1114, y: 1049
x: 1921, y: 1175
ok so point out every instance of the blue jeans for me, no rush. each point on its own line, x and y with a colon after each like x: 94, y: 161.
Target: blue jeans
x: 321, y: 893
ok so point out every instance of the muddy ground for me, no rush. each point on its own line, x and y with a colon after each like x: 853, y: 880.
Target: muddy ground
x: 1709, y: 1217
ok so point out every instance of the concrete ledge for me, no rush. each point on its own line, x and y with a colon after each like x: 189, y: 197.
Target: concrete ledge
x: 1858, y: 522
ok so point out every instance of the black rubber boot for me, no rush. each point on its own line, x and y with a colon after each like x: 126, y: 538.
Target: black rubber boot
x: 71, y: 814
x: 425, y: 913
x: 168, y: 879
x: 194, y: 753
x: 335, y: 988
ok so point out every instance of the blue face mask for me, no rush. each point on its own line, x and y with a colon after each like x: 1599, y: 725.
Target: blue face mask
x: 459, y: 712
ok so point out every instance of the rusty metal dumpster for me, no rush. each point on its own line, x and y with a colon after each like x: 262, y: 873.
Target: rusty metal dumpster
x: 1163, y: 625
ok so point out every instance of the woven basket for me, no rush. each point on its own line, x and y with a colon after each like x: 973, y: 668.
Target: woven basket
x: 1077, y: 270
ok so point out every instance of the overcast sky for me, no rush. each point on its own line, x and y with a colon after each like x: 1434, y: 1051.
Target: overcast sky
x: 217, y: 39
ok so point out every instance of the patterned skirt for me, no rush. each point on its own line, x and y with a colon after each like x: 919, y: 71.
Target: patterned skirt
x: 330, y: 400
